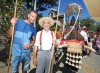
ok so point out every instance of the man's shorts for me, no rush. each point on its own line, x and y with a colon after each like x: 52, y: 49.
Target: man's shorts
x: 15, y: 62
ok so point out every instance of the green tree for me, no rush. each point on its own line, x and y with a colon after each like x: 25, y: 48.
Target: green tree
x: 54, y: 26
x: 97, y: 25
x: 38, y: 27
x: 41, y: 4
x: 89, y: 23
x: 5, y: 14
x: 7, y: 10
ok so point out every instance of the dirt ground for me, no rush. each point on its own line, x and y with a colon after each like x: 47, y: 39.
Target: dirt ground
x: 4, y: 51
x: 89, y: 65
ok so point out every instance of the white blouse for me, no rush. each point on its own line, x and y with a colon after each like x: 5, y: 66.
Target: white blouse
x: 84, y: 34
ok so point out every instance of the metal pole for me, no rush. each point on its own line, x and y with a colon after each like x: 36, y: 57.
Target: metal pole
x: 64, y: 23
x: 59, y: 6
x: 35, y: 9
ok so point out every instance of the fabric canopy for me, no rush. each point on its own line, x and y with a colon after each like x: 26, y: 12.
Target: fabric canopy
x: 97, y: 18
x: 93, y: 7
x: 72, y: 8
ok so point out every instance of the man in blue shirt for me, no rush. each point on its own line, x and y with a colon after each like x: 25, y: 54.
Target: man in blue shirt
x: 23, y: 31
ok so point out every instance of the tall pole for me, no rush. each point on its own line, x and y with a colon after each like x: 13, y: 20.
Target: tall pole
x: 59, y: 6
x: 64, y: 22
x: 53, y: 47
x: 35, y: 9
x: 58, y: 15
x: 12, y: 38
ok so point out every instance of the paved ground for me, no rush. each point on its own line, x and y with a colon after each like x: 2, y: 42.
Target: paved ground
x: 90, y: 65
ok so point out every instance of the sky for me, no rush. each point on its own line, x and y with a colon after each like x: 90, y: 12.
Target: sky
x: 64, y: 4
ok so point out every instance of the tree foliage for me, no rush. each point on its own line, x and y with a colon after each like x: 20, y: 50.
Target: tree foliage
x: 53, y: 28
x: 98, y: 26
x: 38, y: 27
x: 89, y: 23
x: 7, y: 10
x: 41, y: 4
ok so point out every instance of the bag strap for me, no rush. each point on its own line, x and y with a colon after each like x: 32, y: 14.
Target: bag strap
x: 41, y: 36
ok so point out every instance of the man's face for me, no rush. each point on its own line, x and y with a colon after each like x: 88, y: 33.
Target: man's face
x: 32, y: 17
x: 84, y: 30
x: 99, y: 34
x: 46, y: 25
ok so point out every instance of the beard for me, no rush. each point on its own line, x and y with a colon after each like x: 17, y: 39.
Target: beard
x: 31, y: 21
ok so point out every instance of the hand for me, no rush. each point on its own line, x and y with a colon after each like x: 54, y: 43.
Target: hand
x: 35, y: 61
x: 56, y: 45
x: 26, y: 46
x: 13, y: 21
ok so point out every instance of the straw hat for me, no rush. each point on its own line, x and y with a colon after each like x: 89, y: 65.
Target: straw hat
x: 46, y: 18
x: 84, y: 27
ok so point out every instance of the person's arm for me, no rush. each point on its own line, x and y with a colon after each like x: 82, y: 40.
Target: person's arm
x: 27, y: 46
x: 10, y: 30
x: 35, y: 55
x: 32, y: 41
x: 35, y: 50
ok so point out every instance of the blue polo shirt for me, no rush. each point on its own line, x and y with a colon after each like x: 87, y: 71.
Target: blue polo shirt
x: 22, y: 34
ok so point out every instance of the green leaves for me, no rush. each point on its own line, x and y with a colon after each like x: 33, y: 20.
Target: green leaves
x: 7, y: 11
x: 89, y: 23
x: 41, y: 4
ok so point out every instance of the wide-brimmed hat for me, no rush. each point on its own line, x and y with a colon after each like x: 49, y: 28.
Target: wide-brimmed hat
x: 84, y: 27
x: 46, y: 18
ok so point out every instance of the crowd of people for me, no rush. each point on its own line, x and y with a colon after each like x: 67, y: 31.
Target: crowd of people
x: 42, y: 40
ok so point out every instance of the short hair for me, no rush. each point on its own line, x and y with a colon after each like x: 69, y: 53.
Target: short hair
x: 33, y: 11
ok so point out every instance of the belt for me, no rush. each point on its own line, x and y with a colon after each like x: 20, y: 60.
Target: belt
x: 44, y: 50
